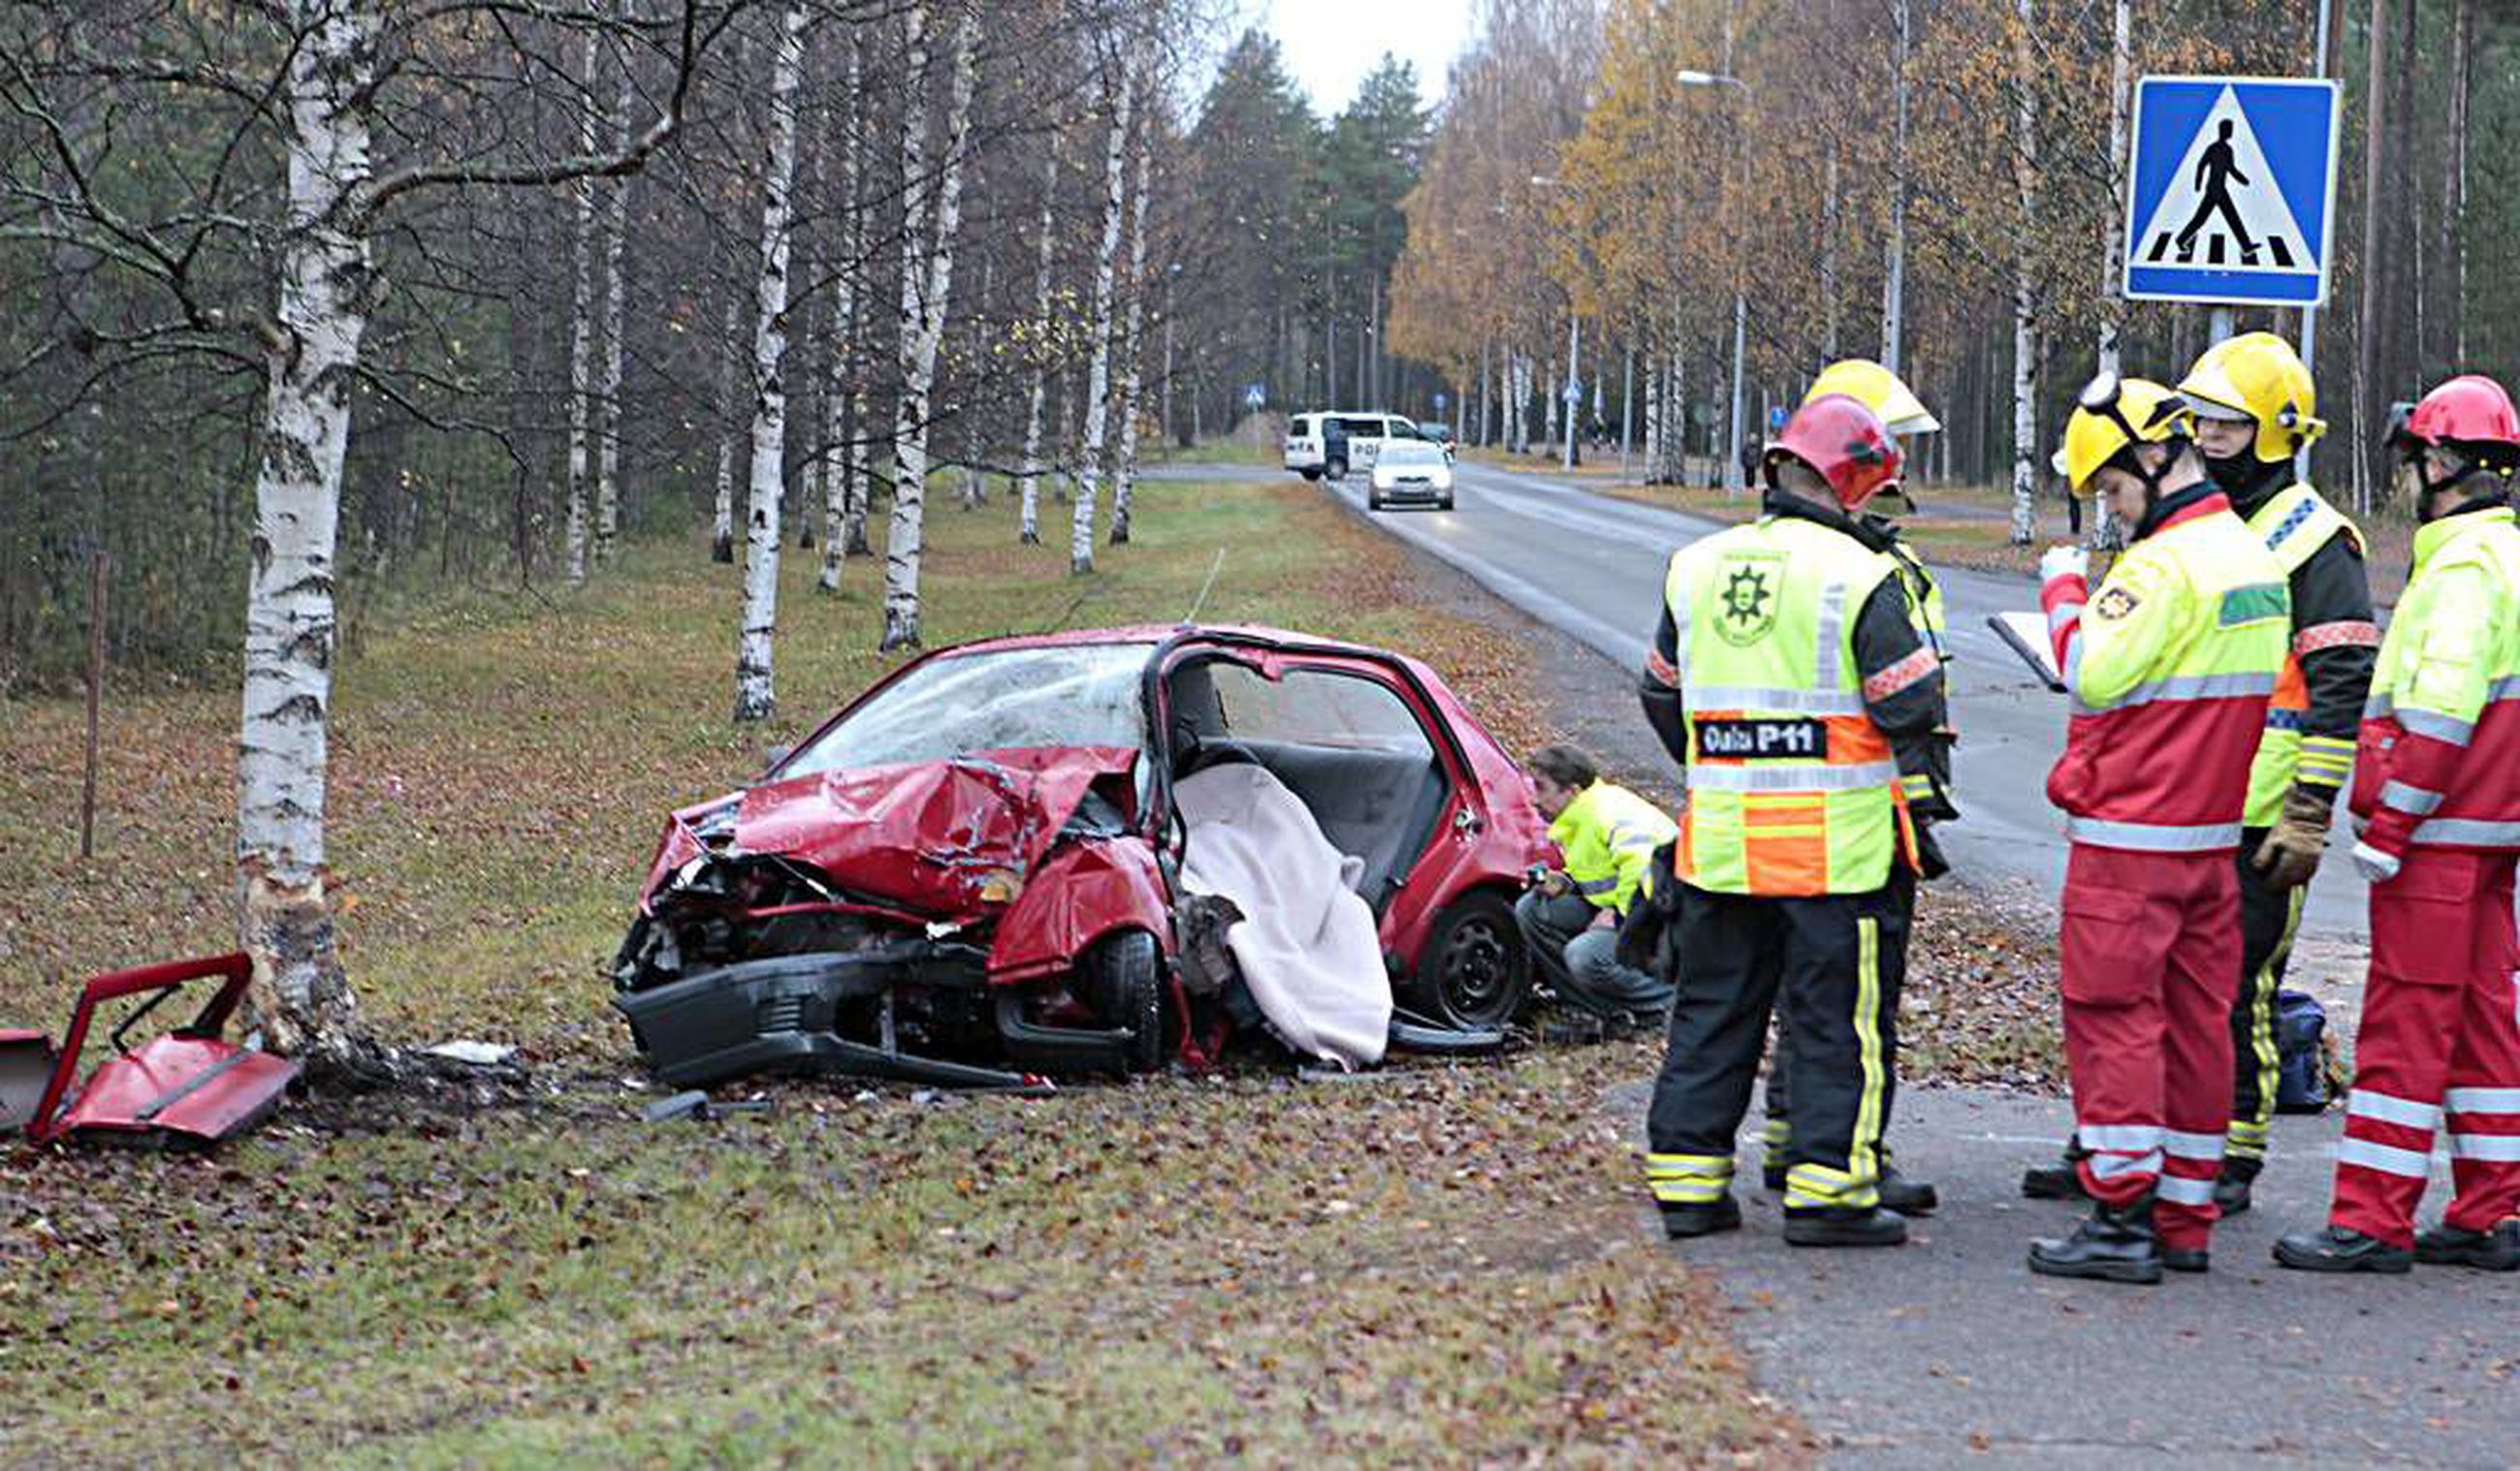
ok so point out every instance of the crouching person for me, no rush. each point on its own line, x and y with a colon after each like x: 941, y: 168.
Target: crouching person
x: 1570, y: 917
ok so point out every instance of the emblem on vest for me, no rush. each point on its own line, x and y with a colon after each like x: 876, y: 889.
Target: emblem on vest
x: 1748, y: 590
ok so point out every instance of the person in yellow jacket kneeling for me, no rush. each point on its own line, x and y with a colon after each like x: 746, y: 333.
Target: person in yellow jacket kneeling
x: 1570, y: 917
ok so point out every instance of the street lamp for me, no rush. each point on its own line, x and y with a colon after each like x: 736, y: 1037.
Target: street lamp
x: 1733, y: 478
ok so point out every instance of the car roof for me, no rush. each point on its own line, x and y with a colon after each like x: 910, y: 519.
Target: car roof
x: 1152, y: 633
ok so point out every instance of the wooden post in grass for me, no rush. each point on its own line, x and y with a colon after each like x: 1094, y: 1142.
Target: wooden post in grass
x: 95, y: 691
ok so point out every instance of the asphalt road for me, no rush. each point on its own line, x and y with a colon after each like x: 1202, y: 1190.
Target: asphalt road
x: 1591, y: 567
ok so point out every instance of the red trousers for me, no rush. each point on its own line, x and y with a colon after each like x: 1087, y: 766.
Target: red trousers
x: 2151, y: 961
x: 2440, y: 1034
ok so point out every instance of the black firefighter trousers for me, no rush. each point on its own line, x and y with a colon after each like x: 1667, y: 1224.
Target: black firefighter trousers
x: 1833, y: 965
x: 2268, y: 919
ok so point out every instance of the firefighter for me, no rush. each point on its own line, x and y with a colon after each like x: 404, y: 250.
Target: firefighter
x: 1785, y: 677
x: 2170, y: 664
x: 1569, y: 917
x: 2437, y: 791
x: 1902, y: 412
x: 2252, y: 409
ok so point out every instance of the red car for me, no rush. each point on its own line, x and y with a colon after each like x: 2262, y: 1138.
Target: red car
x: 970, y: 875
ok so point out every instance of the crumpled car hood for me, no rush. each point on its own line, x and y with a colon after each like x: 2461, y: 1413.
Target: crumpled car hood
x: 922, y: 836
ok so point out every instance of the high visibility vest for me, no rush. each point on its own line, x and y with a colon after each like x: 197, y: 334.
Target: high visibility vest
x: 2294, y: 523
x: 1792, y: 789
x: 1608, y: 836
x: 2449, y: 672
x: 1925, y: 598
x: 2178, y: 653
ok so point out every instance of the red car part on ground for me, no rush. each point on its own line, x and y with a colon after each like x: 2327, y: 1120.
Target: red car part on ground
x: 186, y: 1086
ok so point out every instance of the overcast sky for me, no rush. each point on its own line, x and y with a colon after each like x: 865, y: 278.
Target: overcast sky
x: 1330, y: 44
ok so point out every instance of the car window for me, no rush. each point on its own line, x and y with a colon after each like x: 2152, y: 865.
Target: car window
x: 1371, y: 428
x: 1412, y: 452
x: 1012, y: 700
x: 1299, y: 426
x: 1316, y: 707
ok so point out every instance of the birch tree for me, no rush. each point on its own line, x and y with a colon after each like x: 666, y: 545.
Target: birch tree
x: 756, y: 695
x: 1045, y: 258
x: 607, y: 402
x: 581, y: 326
x: 2025, y: 321
x: 731, y: 348
x: 1119, y: 93
x: 926, y: 288
x: 840, y: 455
x: 1124, y: 482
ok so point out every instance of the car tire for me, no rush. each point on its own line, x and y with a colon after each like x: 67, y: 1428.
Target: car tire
x: 1372, y: 501
x: 1121, y: 977
x: 1336, y: 470
x: 1312, y: 474
x: 1445, y: 504
x: 1474, y: 969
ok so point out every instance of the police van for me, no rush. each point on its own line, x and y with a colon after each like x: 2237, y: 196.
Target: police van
x: 1335, y: 442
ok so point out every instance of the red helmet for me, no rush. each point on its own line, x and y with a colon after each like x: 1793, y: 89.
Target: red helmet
x: 2470, y: 411
x: 1846, y: 444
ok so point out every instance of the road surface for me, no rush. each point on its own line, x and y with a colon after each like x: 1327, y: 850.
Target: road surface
x: 1591, y: 565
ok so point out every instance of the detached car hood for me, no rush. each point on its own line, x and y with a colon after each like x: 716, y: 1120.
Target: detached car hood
x: 922, y: 836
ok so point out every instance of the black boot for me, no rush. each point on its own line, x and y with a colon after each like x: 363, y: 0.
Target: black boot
x: 2187, y: 1258
x: 1843, y: 1225
x: 2495, y: 1249
x: 2231, y: 1186
x: 2115, y: 1245
x: 2061, y: 1180
x: 1683, y: 1222
x: 1908, y: 1197
x: 2333, y: 1248
x: 1772, y: 1176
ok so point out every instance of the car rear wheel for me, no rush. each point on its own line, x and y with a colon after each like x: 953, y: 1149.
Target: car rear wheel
x: 1313, y: 473
x: 1121, y: 977
x: 1474, y: 969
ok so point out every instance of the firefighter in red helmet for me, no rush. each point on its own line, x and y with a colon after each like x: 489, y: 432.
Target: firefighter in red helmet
x: 1789, y: 682
x: 2437, y: 794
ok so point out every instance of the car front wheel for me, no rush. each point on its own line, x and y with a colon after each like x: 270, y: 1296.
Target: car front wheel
x: 1474, y: 970
x: 1336, y: 470
x: 1121, y: 977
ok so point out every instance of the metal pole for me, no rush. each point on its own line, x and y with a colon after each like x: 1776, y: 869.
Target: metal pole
x: 1627, y: 409
x: 94, y: 695
x: 1894, y: 287
x: 1733, y: 482
x: 2309, y: 314
x: 2221, y: 323
x: 1574, y: 339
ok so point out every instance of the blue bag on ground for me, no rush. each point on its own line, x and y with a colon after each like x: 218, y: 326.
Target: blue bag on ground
x: 2301, y: 1026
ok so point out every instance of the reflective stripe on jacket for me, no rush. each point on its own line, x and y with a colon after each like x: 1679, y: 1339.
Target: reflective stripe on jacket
x: 2438, y: 763
x: 1608, y: 836
x: 2170, y: 668
x: 1793, y: 788
x: 2334, y: 640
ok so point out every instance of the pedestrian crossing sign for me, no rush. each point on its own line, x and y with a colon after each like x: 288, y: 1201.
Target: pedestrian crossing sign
x: 2232, y: 190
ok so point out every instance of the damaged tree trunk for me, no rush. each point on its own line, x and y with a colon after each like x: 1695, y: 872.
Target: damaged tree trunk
x: 301, y: 1000
x: 1124, y: 484
x: 756, y: 695
x: 1030, y: 490
x: 1097, y: 393
x: 923, y: 316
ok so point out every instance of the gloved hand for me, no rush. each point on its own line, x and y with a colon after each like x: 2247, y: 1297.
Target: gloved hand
x: 2289, y: 855
x: 2375, y: 866
x: 2063, y: 562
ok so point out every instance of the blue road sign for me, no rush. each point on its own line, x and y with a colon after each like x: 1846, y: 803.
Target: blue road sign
x: 1255, y: 395
x: 1439, y: 403
x: 1777, y: 417
x: 2232, y: 190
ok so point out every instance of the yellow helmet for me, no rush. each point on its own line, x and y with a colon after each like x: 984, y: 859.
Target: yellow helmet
x: 2257, y: 377
x: 1878, y: 389
x: 2113, y: 412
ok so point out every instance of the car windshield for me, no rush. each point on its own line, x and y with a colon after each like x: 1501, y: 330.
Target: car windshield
x: 1412, y: 452
x: 1076, y: 694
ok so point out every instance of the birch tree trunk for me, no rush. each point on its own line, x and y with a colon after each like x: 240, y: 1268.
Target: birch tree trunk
x: 581, y: 327
x: 608, y: 403
x: 1124, y: 485
x: 300, y: 998
x: 1044, y: 260
x: 755, y: 694
x: 2025, y: 325
x: 1089, y: 475
x: 841, y: 475
x: 923, y: 314
x: 722, y: 528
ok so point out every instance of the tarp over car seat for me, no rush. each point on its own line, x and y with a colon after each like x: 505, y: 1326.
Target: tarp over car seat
x: 1307, y: 945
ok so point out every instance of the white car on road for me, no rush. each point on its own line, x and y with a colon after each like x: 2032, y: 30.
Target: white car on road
x: 1308, y: 442
x: 1411, y: 470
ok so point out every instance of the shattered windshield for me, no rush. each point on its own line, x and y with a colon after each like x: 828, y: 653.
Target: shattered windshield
x: 1079, y: 694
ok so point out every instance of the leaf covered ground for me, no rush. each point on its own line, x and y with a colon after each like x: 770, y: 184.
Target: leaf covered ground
x: 1437, y: 1264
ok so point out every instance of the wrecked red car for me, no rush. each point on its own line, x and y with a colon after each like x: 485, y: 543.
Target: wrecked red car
x: 971, y: 874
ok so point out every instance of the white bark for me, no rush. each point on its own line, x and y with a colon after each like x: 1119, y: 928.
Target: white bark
x: 608, y: 403
x: 300, y: 998
x: 2025, y: 325
x: 1098, y: 393
x: 722, y: 528
x: 924, y: 307
x: 755, y: 694
x: 2121, y: 62
x: 1124, y: 484
x: 581, y: 327
x: 1029, y: 487
x: 839, y: 457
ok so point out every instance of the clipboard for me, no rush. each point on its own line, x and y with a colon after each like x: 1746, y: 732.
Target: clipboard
x: 2026, y: 633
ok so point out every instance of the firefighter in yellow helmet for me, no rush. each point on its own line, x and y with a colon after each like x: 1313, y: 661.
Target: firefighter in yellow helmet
x: 1928, y: 787
x: 2170, y: 664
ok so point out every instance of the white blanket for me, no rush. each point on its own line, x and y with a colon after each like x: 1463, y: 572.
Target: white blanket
x: 1307, y: 945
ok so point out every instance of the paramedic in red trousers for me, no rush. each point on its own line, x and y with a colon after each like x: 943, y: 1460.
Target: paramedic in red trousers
x: 2437, y: 791
x: 2170, y: 664
x: 1787, y: 679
